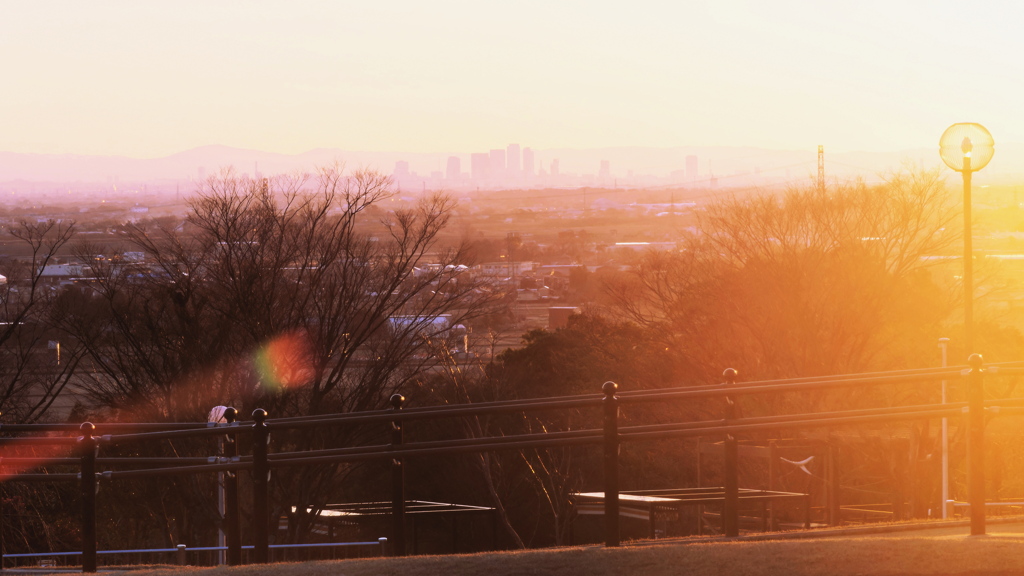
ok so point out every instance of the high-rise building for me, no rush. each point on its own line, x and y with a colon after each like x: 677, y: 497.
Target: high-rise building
x: 480, y: 166
x: 606, y: 170
x: 497, y: 163
x: 527, y: 162
x: 691, y: 168
x: 554, y: 167
x: 454, y: 168
x: 513, y: 166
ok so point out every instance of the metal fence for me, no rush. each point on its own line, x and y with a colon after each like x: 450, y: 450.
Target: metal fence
x: 609, y: 437
x: 184, y: 555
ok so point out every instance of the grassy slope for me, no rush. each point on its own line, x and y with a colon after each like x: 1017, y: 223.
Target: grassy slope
x: 953, y: 555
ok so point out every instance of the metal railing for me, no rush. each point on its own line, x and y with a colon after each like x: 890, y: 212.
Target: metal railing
x: 181, y: 551
x: 610, y: 436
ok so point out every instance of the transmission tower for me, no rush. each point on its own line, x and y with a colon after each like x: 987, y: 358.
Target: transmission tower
x: 821, y: 168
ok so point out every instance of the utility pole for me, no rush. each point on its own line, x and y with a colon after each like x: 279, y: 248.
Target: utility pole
x: 943, y: 345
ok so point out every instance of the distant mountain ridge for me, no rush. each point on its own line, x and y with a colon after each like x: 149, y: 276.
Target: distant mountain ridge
x: 723, y: 160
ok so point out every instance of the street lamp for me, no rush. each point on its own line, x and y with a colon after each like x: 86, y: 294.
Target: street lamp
x: 967, y: 147
x: 943, y: 344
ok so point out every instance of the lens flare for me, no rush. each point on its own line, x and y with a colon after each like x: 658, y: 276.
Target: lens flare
x: 284, y: 362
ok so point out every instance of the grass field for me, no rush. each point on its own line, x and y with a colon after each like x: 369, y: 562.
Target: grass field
x: 887, y: 555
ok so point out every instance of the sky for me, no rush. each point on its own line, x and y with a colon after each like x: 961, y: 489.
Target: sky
x: 148, y: 79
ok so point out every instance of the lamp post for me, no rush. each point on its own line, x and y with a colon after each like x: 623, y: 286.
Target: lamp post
x: 967, y: 147
x: 943, y: 343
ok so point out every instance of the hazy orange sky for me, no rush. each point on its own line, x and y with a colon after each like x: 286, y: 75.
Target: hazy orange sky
x: 146, y: 79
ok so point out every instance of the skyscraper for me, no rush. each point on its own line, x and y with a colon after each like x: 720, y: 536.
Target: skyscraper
x: 554, y: 167
x: 514, y: 168
x: 606, y: 170
x: 527, y: 162
x: 691, y: 168
x: 480, y: 166
x: 454, y: 168
x: 401, y: 169
x: 497, y: 164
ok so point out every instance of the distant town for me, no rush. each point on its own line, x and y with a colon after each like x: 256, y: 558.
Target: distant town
x: 516, y: 167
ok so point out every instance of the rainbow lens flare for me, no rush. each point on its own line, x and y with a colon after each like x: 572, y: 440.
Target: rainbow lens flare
x: 284, y: 362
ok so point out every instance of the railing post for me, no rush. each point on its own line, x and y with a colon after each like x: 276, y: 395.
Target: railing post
x: 231, y: 520
x: 87, y: 446
x: 835, y: 509
x: 773, y: 457
x: 260, y: 487
x: 731, y: 512
x: 2, y: 523
x: 807, y: 512
x: 976, y: 443
x: 397, y: 483
x: 611, y: 464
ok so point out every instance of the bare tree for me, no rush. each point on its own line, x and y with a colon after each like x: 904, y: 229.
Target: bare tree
x: 298, y: 295
x: 803, y: 283
x: 35, y: 364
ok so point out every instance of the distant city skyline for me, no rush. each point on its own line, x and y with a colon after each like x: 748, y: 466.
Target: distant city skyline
x: 562, y: 167
x: 513, y: 166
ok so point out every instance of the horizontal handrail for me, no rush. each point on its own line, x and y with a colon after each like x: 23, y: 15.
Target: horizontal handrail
x: 592, y: 436
x: 547, y: 439
x: 864, y: 377
x: 802, y: 423
x: 159, y: 430
x: 582, y: 437
x: 40, y: 441
x: 459, y: 442
x: 114, y: 460
x: 767, y: 386
x: 145, y: 472
x: 563, y: 402
x: 593, y: 400
x: 531, y: 404
x: 784, y: 418
x: 568, y: 437
x: 380, y: 542
x: 217, y: 430
x: 102, y: 426
x: 38, y: 477
x: 1000, y: 370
